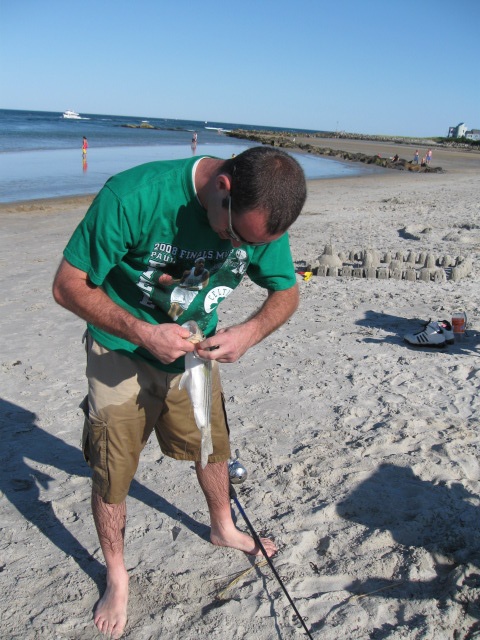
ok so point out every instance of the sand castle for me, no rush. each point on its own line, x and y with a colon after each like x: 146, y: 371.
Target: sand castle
x: 410, y: 266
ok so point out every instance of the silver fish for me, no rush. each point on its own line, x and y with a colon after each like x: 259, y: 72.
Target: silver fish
x: 197, y: 380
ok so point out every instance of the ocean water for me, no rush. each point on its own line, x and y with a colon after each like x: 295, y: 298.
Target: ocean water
x: 40, y: 152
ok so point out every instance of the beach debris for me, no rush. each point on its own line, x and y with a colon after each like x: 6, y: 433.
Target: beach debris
x: 306, y: 275
x: 221, y: 594
x: 399, y: 265
x: 197, y: 380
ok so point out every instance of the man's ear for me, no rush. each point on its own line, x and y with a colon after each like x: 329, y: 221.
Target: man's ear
x: 223, y: 182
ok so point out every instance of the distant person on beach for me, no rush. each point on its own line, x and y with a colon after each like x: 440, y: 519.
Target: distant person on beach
x: 423, y: 162
x: 428, y: 158
x: 84, y: 146
x: 415, y: 157
x: 194, y: 138
x: 119, y: 272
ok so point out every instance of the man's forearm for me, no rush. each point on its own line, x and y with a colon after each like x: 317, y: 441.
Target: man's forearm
x: 228, y: 345
x: 275, y: 311
x: 73, y: 290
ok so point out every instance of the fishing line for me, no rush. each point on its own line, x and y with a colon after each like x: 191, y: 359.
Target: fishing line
x: 233, y: 496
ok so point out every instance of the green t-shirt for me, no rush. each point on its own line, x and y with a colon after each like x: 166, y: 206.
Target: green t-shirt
x: 147, y: 227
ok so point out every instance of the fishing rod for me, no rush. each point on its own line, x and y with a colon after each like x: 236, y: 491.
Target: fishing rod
x: 238, y: 474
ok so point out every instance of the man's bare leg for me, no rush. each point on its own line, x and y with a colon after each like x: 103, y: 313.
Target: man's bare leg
x: 111, y: 610
x: 214, y: 482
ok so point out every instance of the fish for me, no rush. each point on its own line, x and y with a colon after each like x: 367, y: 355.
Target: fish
x: 197, y: 381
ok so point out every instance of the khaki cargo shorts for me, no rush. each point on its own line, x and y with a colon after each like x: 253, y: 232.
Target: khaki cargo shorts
x: 127, y: 400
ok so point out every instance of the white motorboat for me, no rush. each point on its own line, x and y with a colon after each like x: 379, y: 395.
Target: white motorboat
x: 72, y: 115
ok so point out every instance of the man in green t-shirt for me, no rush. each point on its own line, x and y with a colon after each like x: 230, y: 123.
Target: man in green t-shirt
x: 162, y: 244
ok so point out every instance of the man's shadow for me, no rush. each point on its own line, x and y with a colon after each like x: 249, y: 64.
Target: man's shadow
x: 442, y: 519
x: 23, y: 439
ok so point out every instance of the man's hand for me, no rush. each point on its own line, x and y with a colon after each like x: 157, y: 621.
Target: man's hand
x: 228, y: 345
x: 167, y: 342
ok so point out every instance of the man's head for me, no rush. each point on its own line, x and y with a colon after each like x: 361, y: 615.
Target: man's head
x: 264, y: 178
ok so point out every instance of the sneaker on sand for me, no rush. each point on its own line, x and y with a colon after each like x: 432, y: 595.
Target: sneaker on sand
x: 432, y: 335
x: 447, y: 329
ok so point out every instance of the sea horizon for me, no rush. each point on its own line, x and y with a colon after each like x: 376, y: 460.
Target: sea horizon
x: 41, y: 156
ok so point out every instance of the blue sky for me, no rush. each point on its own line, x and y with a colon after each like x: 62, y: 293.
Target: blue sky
x: 403, y: 67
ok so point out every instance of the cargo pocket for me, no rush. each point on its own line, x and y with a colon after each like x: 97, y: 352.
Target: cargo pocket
x: 95, y: 450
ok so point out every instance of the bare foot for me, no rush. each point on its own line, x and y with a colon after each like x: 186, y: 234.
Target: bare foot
x: 111, y: 610
x: 241, y: 541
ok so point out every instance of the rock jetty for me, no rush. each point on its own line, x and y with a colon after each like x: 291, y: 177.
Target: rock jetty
x: 141, y: 125
x: 287, y: 141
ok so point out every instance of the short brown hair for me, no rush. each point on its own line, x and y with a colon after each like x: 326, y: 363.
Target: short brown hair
x: 270, y: 179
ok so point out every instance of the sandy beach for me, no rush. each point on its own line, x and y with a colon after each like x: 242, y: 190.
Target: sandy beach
x: 362, y: 452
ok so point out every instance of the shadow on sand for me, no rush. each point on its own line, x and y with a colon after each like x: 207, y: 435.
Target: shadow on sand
x: 442, y: 519
x: 22, y: 440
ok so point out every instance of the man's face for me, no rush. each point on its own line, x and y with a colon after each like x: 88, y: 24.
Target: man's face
x: 247, y: 228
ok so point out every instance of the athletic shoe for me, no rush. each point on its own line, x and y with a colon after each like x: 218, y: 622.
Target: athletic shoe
x: 432, y: 335
x: 447, y: 329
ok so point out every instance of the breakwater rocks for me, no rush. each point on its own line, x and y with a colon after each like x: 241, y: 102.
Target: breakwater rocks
x: 287, y: 141
x: 369, y: 263
x: 142, y: 125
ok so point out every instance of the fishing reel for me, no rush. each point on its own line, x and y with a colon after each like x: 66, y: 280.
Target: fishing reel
x: 236, y: 471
